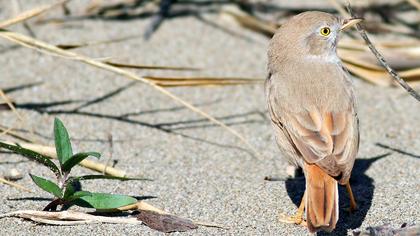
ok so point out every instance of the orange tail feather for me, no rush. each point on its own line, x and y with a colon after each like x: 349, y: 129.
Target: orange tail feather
x: 321, y: 199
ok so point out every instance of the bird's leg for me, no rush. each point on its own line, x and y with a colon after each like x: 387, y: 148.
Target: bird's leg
x: 353, y: 204
x: 298, y: 217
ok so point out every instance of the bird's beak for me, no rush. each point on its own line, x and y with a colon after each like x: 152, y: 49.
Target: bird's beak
x: 350, y: 22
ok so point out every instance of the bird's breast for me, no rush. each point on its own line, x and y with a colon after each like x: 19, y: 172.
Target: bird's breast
x: 303, y: 84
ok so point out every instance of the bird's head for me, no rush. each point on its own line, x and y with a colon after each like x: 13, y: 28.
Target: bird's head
x: 311, y: 34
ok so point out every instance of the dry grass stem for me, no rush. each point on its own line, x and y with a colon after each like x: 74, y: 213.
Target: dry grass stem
x: 11, y: 106
x: 51, y: 152
x: 87, y: 44
x: 30, y: 14
x: 5, y: 131
x: 50, y: 49
x: 148, y: 67
x: 251, y: 22
x: 9, y: 131
x: 15, y: 185
x: 201, y: 81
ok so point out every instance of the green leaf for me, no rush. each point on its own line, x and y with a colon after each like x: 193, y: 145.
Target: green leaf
x: 88, y: 177
x: 47, y: 185
x: 104, y: 201
x: 71, y: 180
x: 44, y: 160
x: 62, y: 142
x: 76, y: 159
x: 78, y: 194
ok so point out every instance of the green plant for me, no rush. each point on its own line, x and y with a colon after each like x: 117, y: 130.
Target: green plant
x: 67, y: 190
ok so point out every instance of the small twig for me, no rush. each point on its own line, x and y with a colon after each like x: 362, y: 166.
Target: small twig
x: 274, y: 178
x: 4, y: 181
x: 381, y: 59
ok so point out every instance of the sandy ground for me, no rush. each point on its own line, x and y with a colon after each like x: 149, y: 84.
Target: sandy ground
x: 199, y: 170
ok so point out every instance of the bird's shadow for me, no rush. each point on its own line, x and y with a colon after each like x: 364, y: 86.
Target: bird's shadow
x: 363, y: 188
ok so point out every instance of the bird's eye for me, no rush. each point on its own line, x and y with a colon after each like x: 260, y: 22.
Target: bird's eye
x: 325, y: 31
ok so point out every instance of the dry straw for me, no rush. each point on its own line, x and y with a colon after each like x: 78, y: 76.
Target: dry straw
x: 55, y: 51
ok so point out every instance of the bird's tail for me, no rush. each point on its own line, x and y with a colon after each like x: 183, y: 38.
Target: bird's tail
x: 321, y: 199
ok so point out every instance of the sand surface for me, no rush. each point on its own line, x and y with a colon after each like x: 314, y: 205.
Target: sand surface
x: 200, y: 171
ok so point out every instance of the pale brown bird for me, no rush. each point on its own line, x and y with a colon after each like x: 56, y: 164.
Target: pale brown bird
x: 312, y: 106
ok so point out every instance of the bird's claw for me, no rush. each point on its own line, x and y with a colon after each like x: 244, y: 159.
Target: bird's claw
x: 297, y: 219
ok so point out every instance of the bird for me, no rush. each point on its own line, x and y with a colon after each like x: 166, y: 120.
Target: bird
x: 312, y: 106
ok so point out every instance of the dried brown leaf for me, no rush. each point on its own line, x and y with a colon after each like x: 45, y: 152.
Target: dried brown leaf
x: 166, y: 223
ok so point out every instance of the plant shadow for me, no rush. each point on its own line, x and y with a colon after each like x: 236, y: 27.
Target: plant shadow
x: 363, y: 188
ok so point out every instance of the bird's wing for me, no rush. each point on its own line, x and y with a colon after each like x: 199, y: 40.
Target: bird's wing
x: 327, y: 139
x: 320, y: 136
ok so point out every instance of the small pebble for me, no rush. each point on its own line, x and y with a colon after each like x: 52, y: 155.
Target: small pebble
x: 13, y: 175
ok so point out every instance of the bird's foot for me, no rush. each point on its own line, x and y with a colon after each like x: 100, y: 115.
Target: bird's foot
x: 296, y: 219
